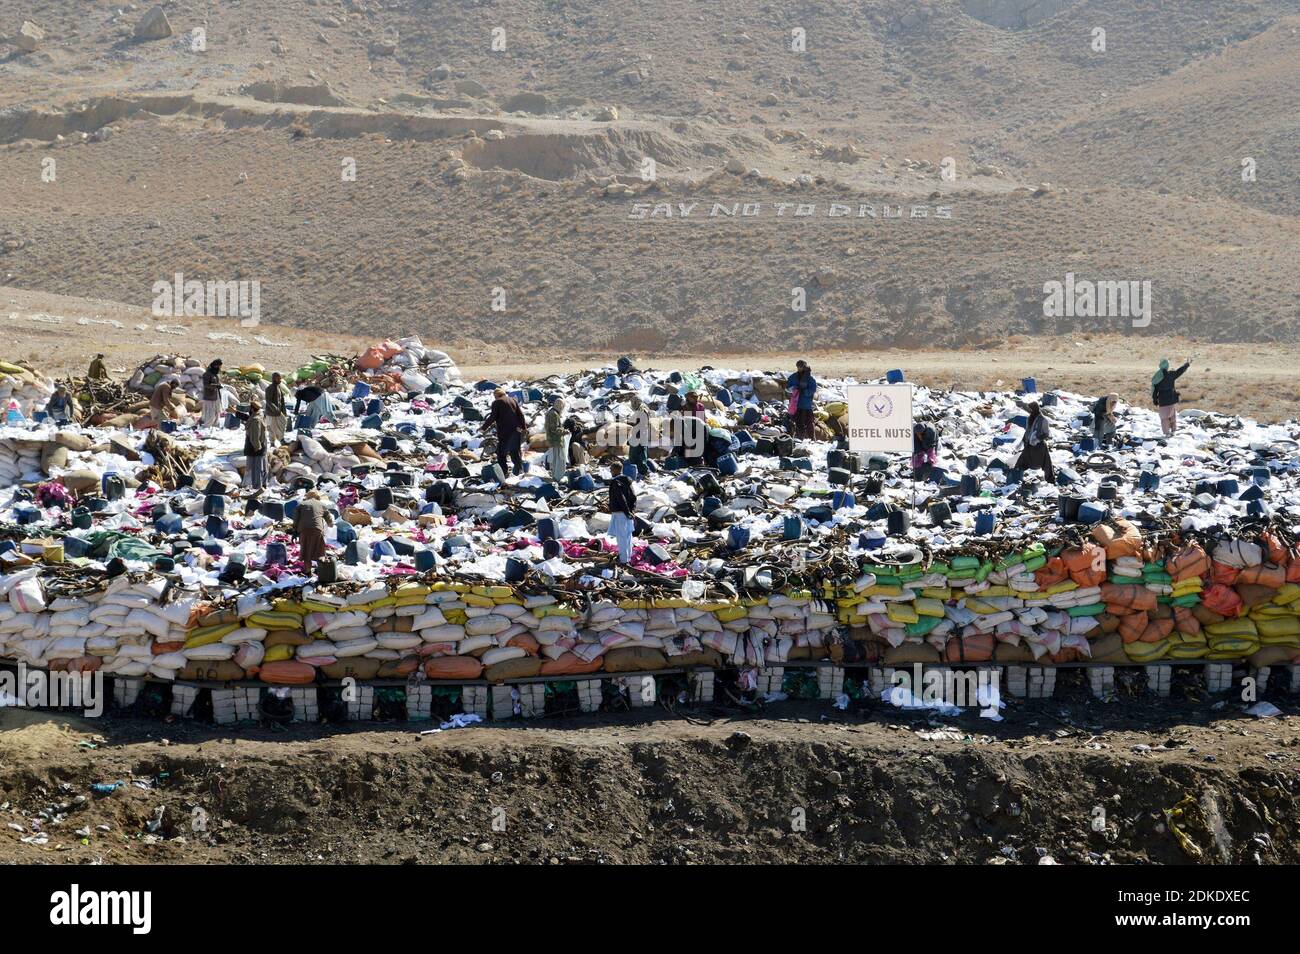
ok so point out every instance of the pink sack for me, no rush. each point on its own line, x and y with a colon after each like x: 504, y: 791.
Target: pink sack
x: 794, y: 401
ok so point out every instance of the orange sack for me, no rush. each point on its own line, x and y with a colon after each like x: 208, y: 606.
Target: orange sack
x: 1131, y: 595
x: 1121, y: 540
x: 453, y: 667
x: 1051, y: 573
x: 570, y: 665
x: 1265, y: 574
x: 1222, y: 600
x: 287, y: 672
x: 1190, y: 561
x: 1086, y: 564
x: 975, y: 648
x: 1132, y: 627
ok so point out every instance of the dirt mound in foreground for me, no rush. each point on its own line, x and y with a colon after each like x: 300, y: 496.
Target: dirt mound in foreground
x: 1076, y: 780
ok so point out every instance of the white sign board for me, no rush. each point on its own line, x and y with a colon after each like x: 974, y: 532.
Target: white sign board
x: 880, y: 418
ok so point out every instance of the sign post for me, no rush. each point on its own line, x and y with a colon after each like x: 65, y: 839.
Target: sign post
x: 880, y: 418
x: 880, y: 421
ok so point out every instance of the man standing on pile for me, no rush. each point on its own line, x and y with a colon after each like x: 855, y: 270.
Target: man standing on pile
x: 1104, y: 422
x: 276, y: 412
x: 802, y: 386
x: 622, y: 505
x: 309, y: 522
x: 211, y: 394
x: 557, y: 439
x: 508, y: 418
x: 1035, y: 453
x: 97, y: 371
x: 255, y: 448
x: 694, y: 435
x: 1165, y: 396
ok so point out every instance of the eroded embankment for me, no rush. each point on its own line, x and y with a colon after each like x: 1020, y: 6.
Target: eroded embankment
x: 654, y: 791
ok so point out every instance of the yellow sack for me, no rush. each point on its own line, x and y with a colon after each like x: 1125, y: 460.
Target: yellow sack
x: 902, y: 613
x: 882, y: 589
x: 1233, y: 628
x: 928, y: 607
x: 1140, y: 652
x: 1225, y: 647
x: 555, y: 609
x: 727, y: 614
x: 278, y: 654
x: 1288, y: 594
x: 209, y: 634
x: 1286, y: 626
x: 275, y: 620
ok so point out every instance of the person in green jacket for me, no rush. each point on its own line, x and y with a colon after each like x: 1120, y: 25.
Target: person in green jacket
x: 557, y: 439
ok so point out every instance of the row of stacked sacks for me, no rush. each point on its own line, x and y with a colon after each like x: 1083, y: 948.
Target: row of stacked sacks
x: 1112, y: 599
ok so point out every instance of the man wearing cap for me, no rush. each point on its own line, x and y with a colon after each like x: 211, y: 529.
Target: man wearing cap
x: 508, y: 418
x: 622, y: 506
x: 97, y: 371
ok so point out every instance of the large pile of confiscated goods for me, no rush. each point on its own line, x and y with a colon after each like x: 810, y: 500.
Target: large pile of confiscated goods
x: 115, y: 559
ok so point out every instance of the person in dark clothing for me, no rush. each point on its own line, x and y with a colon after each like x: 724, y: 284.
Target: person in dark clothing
x: 1035, y: 453
x: 1104, y: 422
x: 925, y: 449
x: 318, y: 404
x: 211, y: 395
x: 255, y: 448
x: 578, y: 453
x: 622, y: 507
x: 692, y: 441
x: 1165, y: 396
x: 59, y: 407
x: 508, y: 418
x: 802, y: 386
x: 309, y: 522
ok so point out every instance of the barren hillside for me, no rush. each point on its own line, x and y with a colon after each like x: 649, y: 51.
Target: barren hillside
x: 503, y: 196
